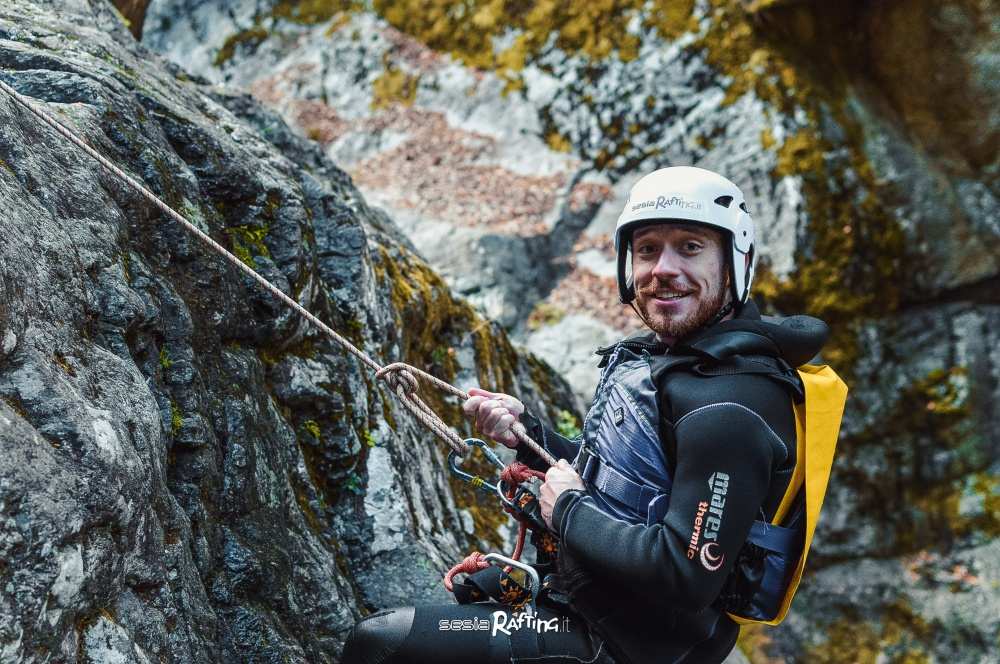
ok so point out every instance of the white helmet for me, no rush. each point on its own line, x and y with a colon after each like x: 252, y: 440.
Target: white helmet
x: 690, y: 194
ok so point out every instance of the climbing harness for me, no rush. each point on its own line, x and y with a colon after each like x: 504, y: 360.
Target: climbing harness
x: 516, y: 499
x: 401, y: 378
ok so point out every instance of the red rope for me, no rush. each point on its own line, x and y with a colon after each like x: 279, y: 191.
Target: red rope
x: 516, y: 473
x: 473, y: 562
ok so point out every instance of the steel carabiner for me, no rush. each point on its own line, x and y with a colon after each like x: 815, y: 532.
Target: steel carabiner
x: 475, y: 480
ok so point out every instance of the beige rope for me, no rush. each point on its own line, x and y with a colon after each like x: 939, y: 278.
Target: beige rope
x: 400, y: 377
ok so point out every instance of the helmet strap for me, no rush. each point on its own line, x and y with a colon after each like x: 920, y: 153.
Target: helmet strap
x: 723, y: 311
x: 638, y: 313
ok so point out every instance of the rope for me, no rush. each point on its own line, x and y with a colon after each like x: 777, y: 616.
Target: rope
x: 400, y: 377
x: 512, y: 476
x: 472, y: 563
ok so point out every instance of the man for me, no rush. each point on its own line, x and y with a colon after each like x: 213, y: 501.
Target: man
x: 690, y: 439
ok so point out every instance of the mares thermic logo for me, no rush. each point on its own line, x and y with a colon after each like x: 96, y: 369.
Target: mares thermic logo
x: 707, y: 521
x: 662, y: 202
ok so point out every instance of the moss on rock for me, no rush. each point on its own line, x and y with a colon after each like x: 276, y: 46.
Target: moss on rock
x: 925, y: 451
x: 899, y: 636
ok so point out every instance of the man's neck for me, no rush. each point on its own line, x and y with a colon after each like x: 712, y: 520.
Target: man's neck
x: 670, y: 341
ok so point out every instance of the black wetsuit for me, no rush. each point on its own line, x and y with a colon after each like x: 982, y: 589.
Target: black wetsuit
x: 641, y: 593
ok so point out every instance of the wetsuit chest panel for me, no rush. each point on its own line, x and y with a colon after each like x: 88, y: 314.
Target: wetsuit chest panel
x: 624, y: 466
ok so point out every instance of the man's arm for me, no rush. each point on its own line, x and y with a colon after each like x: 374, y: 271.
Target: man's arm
x: 725, y: 455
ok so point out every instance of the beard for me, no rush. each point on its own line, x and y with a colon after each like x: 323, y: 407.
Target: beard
x: 678, y: 326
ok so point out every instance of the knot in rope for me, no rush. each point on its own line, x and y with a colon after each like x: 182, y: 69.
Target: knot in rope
x: 473, y: 562
x: 399, y: 377
x: 517, y: 472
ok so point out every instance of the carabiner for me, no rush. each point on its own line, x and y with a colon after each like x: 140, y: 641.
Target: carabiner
x: 475, y: 480
x: 530, y: 572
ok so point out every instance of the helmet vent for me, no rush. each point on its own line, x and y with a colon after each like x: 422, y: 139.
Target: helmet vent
x: 743, y: 206
x: 724, y: 201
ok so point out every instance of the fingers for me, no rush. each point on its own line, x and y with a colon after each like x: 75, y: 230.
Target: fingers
x: 546, y: 500
x: 512, y: 404
x: 472, y: 404
x: 494, y: 414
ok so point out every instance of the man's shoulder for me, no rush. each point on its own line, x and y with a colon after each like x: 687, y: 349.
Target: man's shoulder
x: 764, y: 392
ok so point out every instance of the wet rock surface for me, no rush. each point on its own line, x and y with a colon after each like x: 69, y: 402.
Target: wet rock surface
x: 190, y: 472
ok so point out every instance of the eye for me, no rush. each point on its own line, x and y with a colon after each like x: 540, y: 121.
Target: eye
x: 691, y: 246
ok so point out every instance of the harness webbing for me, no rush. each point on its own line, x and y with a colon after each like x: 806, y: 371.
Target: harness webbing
x: 400, y: 377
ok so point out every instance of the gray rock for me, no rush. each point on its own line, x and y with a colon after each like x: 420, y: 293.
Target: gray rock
x: 191, y: 472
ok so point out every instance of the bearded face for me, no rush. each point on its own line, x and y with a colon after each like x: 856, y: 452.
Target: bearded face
x: 680, y: 277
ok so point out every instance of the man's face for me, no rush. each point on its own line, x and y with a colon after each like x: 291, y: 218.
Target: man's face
x: 679, y: 275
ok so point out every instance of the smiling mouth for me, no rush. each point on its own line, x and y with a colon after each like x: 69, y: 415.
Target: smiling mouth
x: 671, y: 297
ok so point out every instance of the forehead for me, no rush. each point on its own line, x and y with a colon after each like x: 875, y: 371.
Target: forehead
x: 666, y: 230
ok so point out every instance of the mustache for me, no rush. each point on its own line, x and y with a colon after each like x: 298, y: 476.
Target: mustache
x: 676, y: 288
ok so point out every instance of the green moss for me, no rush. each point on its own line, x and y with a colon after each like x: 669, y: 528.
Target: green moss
x: 567, y: 424
x: 165, y: 361
x: 312, y: 427
x: 354, y: 484
x: 368, y: 437
x: 176, y: 419
x: 927, y: 450
x: 433, y: 322
x: 250, y: 38
x: 899, y: 636
x: 248, y: 241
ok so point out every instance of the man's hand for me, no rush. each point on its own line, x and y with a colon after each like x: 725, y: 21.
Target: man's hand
x: 494, y: 414
x: 560, y: 477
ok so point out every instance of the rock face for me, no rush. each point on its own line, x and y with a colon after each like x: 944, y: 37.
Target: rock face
x: 190, y: 472
x: 503, y: 138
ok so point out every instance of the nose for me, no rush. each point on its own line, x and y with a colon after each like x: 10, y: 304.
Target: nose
x: 667, y: 265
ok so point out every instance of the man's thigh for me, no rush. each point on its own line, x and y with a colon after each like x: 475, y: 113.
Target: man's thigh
x: 477, y: 633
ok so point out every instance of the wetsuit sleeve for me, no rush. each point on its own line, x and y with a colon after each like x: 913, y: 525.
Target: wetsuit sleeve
x: 725, y: 454
x: 557, y: 445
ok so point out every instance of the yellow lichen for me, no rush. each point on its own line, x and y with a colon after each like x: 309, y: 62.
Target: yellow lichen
x: 176, y: 419
x: 545, y: 313
x: 247, y: 242
x: 899, y: 636
x: 251, y: 37
x: 923, y: 507
x: 394, y: 86
x: 558, y: 142
x: 312, y: 12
